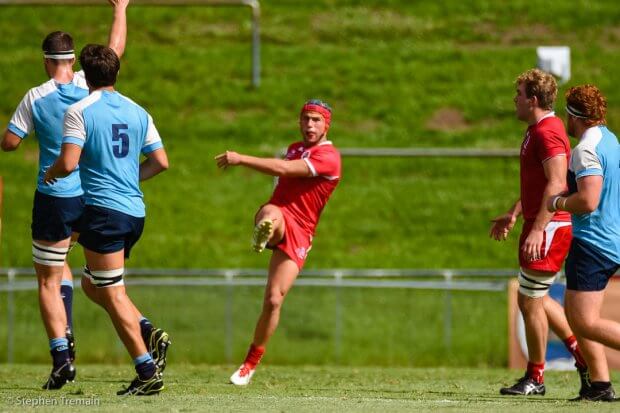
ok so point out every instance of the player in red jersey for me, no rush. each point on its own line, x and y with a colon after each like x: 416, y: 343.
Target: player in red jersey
x: 286, y: 224
x: 546, y: 236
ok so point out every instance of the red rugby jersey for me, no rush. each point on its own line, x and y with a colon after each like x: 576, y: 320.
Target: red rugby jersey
x: 304, y: 198
x: 542, y: 141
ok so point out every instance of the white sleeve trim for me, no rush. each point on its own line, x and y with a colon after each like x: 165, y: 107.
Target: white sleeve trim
x: 307, y: 161
x: 152, y: 135
x: 584, y: 155
x: 22, y: 118
x: 553, y: 156
x: 74, y: 125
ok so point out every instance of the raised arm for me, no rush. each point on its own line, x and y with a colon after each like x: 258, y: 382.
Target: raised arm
x: 268, y: 166
x: 155, y: 163
x: 118, y: 31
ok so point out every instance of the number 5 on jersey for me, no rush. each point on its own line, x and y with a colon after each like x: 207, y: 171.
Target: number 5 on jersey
x: 120, y: 140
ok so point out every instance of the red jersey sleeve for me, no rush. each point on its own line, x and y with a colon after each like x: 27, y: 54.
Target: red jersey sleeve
x: 550, y: 143
x: 324, y: 161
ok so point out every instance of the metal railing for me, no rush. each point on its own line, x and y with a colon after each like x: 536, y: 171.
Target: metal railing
x: 431, y: 152
x: 342, y: 277
x: 447, y: 280
x: 254, y: 5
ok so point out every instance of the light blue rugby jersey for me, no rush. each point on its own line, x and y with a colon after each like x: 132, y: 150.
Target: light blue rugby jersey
x: 112, y: 131
x: 598, y: 153
x: 42, y: 110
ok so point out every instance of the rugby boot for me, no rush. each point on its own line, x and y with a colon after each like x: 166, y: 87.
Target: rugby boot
x: 71, y: 344
x: 243, y: 375
x: 262, y: 233
x: 60, y: 376
x: 584, y: 378
x: 594, y: 394
x: 148, y: 387
x: 158, y: 343
x: 525, y: 386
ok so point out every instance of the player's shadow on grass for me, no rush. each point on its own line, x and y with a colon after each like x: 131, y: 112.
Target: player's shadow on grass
x: 491, y: 397
x: 526, y: 399
x: 94, y: 380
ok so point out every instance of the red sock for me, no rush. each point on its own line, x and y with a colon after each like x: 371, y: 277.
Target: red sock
x: 536, y: 372
x: 254, y: 355
x: 573, y: 347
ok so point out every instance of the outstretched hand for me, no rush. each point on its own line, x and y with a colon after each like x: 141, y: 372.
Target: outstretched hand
x: 502, y: 226
x: 228, y: 158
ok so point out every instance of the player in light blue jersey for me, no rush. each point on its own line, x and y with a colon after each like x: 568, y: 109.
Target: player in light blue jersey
x: 106, y: 133
x: 594, y: 256
x: 57, y: 208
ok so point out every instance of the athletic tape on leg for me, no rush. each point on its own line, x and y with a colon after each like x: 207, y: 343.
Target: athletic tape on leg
x: 102, y: 279
x: 534, y: 286
x: 46, y: 255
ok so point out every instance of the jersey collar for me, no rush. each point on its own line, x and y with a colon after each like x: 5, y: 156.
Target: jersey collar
x: 548, y: 115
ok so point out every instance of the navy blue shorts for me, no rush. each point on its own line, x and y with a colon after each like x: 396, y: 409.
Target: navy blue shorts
x: 55, y: 218
x: 586, y: 268
x: 105, y: 230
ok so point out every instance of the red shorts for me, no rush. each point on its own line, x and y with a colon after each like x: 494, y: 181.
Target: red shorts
x: 556, y: 243
x: 297, y: 242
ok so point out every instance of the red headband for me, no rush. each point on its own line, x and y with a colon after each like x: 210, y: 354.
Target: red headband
x: 327, y: 115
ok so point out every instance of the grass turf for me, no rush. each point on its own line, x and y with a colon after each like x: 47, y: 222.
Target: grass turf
x: 304, y: 388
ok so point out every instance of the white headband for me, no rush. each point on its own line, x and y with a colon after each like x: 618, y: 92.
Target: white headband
x: 574, y: 112
x: 65, y: 54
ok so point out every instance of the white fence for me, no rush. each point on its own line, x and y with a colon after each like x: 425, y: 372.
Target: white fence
x: 447, y: 280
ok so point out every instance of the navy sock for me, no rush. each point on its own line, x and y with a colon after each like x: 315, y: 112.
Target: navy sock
x: 59, y: 349
x: 66, y: 292
x: 145, y: 329
x: 145, y: 367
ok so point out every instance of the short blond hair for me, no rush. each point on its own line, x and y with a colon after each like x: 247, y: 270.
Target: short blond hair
x: 540, y: 84
x: 587, y: 100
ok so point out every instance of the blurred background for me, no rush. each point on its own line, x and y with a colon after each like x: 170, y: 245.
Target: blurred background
x: 398, y: 74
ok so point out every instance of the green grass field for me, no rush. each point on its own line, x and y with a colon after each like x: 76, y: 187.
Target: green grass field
x: 304, y: 388
x: 398, y: 73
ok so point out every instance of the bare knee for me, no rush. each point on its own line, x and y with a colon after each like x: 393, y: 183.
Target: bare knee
x: 111, y: 296
x: 530, y: 306
x: 49, y: 283
x: 582, y: 326
x: 269, y: 212
x: 273, y: 301
x: 89, y: 290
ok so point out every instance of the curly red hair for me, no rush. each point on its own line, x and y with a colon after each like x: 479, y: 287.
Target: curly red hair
x: 589, y: 101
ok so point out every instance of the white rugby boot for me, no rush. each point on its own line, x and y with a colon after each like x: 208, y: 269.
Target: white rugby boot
x: 243, y: 375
